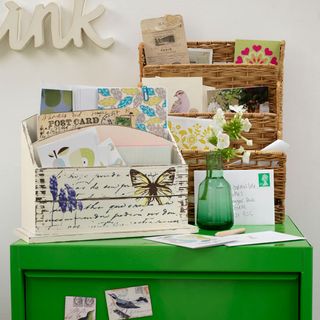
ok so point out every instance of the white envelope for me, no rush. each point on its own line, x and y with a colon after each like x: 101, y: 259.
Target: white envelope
x: 252, y: 195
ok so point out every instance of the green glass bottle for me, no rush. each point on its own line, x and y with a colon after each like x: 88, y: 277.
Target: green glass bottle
x: 215, y: 209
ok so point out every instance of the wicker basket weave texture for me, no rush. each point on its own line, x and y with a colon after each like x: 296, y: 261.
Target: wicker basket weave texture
x: 222, y: 75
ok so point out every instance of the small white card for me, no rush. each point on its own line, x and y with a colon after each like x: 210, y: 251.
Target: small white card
x: 125, y: 303
x: 80, y: 308
x: 192, y: 241
x: 260, y: 237
x: 252, y: 195
x: 108, y: 154
x: 85, y: 98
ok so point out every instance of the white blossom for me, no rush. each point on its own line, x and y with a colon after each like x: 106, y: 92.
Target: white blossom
x: 246, y: 157
x: 237, y: 108
x: 240, y: 150
x: 246, y: 125
x: 249, y: 142
x: 223, y: 141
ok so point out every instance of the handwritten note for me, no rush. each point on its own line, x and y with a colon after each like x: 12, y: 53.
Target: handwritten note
x: 252, y: 195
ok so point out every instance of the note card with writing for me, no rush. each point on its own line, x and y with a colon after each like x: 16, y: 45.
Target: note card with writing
x: 252, y: 195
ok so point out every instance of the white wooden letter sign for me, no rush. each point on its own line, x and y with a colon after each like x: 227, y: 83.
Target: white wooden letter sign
x: 81, y: 23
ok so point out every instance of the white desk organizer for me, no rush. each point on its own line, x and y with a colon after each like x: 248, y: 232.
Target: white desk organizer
x: 111, y: 207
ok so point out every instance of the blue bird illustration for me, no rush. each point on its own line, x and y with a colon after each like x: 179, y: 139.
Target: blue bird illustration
x: 124, y: 304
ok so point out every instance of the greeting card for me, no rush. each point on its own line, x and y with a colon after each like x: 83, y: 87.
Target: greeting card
x: 191, y: 133
x: 257, y: 52
x: 125, y: 303
x: 254, y: 99
x: 108, y: 154
x: 73, y: 149
x: 184, y: 93
x: 55, y: 100
x: 148, y: 105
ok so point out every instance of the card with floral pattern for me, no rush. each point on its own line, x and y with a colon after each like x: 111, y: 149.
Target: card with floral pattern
x: 191, y: 133
x: 257, y: 52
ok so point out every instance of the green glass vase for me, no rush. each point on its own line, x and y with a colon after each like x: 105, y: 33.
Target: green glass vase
x: 215, y: 209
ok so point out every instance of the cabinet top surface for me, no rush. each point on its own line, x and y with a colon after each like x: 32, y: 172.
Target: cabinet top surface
x: 287, y: 227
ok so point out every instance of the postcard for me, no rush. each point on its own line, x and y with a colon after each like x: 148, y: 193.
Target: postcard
x: 191, y: 133
x: 165, y: 40
x: 192, y: 241
x: 184, y: 93
x: 200, y: 56
x: 257, y: 52
x: 260, y: 237
x: 128, y: 303
x: 77, y: 308
x: 75, y: 149
x: 254, y: 99
x: 152, y: 119
x: 55, y: 100
x: 252, y: 195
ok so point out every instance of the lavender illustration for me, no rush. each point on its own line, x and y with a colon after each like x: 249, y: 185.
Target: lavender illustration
x: 67, y: 199
x: 53, y: 185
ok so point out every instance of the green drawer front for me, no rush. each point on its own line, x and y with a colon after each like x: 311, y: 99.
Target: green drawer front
x: 217, y: 296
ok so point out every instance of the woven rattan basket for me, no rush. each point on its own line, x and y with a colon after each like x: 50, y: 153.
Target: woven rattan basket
x: 226, y: 75
x: 258, y: 160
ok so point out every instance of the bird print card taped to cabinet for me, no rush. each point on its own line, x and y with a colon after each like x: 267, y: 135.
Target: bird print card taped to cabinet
x: 185, y: 94
x: 128, y: 303
x: 80, y: 308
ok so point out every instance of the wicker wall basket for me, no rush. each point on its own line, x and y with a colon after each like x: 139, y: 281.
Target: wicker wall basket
x: 258, y: 160
x: 226, y: 74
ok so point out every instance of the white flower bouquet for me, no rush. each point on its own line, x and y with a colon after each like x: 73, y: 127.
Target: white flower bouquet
x: 224, y: 132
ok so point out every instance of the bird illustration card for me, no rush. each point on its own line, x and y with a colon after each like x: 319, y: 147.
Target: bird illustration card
x: 191, y: 133
x: 185, y: 94
x: 80, y: 308
x: 72, y: 149
x: 128, y: 303
x: 254, y: 99
x: 257, y: 52
x: 55, y: 100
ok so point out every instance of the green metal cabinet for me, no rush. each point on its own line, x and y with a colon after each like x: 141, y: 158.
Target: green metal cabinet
x: 271, y: 281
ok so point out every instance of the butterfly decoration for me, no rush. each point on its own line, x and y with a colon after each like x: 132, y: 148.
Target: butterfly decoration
x: 158, y: 190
